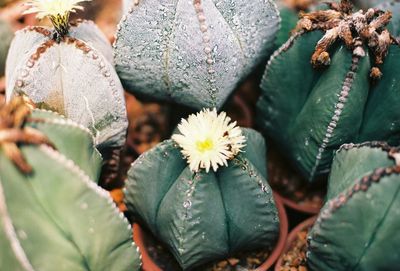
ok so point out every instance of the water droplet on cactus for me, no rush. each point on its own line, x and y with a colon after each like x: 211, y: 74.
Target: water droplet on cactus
x: 84, y: 206
x: 187, y: 204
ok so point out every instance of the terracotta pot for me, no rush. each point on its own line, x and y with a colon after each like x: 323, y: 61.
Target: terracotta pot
x: 303, y: 208
x: 150, y: 265
x: 283, y: 178
x: 292, y: 237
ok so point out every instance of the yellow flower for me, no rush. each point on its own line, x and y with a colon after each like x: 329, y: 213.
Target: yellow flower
x: 209, y: 140
x: 57, y: 10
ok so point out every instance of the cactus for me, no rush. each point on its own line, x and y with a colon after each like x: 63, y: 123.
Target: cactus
x: 203, y: 216
x: 289, y: 18
x: 357, y: 228
x: 394, y: 7
x: 6, y: 35
x: 53, y: 215
x: 311, y: 111
x: 73, y: 140
x: 69, y: 69
x: 192, y: 52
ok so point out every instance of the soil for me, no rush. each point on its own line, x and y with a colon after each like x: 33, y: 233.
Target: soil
x: 240, y: 262
x: 295, y: 258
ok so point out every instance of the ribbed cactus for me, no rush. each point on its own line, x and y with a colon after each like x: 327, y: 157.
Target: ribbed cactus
x: 70, y: 73
x: 192, y: 52
x: 357, y: 228
x: 311, y: 111
x: 394, y: 7
x: 71, y: 139
x: 204, y: 216
x: 6, y: 35
x: 53, y: 216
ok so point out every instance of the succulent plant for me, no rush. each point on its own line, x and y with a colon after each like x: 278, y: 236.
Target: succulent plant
x: 52, y: 213
x: 69, y: 69
x: 217, y: 205
x: 357, y: 228
x: 311, y: 111
x: 6, y: 35
x: 394, y: 7
x: 192, y: 52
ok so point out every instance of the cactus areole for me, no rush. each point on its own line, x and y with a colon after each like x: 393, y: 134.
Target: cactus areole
x: 357, y: 228
x: 195, y: 52
x: 205, y: 192
x: 357, y: 30
x: 69, y: 69
x: 348, y: 93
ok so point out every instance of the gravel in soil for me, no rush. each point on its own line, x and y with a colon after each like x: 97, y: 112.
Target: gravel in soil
x: 295, y: 258
x: 240, y: 262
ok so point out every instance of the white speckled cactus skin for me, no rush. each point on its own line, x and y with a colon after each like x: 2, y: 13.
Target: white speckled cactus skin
x: 192, y: 52
x: 75, y: 78
x: 6, y: 35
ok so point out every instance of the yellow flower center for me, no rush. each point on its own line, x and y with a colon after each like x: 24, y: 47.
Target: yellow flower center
x: 205, y: 145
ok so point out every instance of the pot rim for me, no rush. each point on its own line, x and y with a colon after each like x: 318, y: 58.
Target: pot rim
x: 303, y: 208
x: 149, y: 265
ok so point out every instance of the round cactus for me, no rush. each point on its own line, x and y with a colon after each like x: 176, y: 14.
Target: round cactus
x: 76, y: 224
x: 357, y: 228
x: 72, y: 75
x: 6, y: 35
x: 311, y: 111
x: 192, y: 52
x: 394, y: 7
x: 204, y: 216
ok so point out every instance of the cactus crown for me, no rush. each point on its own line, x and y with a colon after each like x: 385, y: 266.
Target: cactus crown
x: 12, y: 132
x: 209, y: 139
x: 355, y: 29
x: 57, y: 11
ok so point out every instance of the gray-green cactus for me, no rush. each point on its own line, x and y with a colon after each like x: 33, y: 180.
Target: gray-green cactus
x: 192, y: 52
x: 357, y: 228
x: 6, y: 35
x: 394, y: 7
x: 204, y: 216
x: 74, y: 77
x: 73, y: 140
x: 310, y: 111
x: 55, y: 217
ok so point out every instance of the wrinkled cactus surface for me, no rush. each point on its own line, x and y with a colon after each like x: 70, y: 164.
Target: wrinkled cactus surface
x: 204, y: 216
x: 192, y: 52
x: 310, y: 112
x: 357, y: 228
x: 75, y: 78
x: 55, y: 216
x: 6, y: 35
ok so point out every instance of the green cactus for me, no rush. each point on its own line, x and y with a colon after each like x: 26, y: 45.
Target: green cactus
x: 394, y: 7
x: 192, y: 52
x: 54, y: 216
x: 289, y: 18
x: 73, y: 76
x: 310, y: 111
x: 204, y: 216
x: 6, y: 35
x: 357, y: 228
x: 73, y: 140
